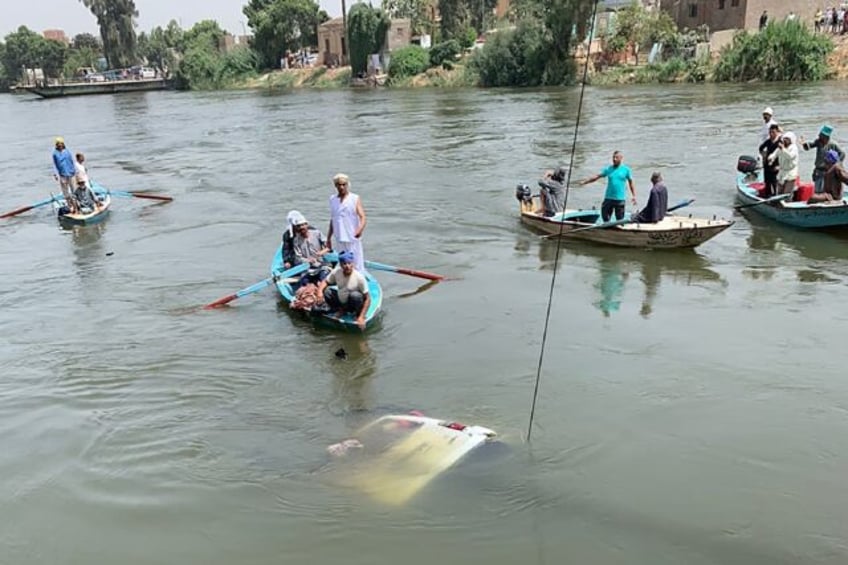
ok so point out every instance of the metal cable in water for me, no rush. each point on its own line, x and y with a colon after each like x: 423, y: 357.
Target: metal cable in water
x: 562, y: 224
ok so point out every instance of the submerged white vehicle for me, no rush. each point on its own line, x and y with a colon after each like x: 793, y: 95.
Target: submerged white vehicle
x: 394, y: 457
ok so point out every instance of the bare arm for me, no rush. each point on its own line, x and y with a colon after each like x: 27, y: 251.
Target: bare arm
x: 632, y: 189
x: 360, y: 319
x: 330, y: 235
x: 590, y: 180
x: 360, y: 211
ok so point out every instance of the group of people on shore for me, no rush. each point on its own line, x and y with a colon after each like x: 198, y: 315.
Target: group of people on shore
x: 832, y: 20
x: 69, y: 171
x: 780, y: 153
x: 619, y: 181
x: 343, y: 289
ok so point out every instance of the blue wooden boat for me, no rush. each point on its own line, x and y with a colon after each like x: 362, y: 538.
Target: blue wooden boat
x: 87, y: 216
x: 347, y: 321
x: 799, y: 214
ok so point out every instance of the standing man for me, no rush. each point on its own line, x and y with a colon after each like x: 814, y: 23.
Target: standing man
x: 347, y: 221
x: 770, y: 166
x: 768, y: 121
x: 65, y: 173
x: 618, y: 177
x: 763, y: 20
x: 822, y: 144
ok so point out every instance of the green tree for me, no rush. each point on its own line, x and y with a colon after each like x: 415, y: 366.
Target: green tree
x: 85, y: 40
x: 415, y: 10
x: 206, y: 35
x: 116, y: 19
x: 366, y: 30
x: 283, y: 25
x: 159, y: 48
x: 27, y: 49
x: 78, y: 58
x: 5, y: 78
x: 455, y: 17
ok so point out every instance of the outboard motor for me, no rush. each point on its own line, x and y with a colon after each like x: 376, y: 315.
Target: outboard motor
x: 523, y: 193
x: 747, y: 164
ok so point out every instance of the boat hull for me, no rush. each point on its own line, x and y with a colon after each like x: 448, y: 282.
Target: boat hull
x: 345, y: 322
x: 88, y: 88
x: 83, y: 219
x: 796, y: 214
x: 673, y: 232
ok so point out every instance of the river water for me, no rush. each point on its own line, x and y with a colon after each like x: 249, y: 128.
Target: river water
x: 693, y: 406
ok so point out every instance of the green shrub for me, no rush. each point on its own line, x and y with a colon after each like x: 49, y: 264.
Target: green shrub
x: 469, y: 38
x: 444, y: 52
x: 408, y: 61
x: 512, y: 58
x: 781, y: 52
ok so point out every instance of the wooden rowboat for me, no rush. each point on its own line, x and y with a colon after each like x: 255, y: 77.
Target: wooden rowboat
x: 799, y: 214
x: 346, y: 321
x: 85, y: 217
x: 672, y: 232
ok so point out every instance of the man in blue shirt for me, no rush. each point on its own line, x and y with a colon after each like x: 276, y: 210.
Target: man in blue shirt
x: 618, y: 178
x: 66, y: 172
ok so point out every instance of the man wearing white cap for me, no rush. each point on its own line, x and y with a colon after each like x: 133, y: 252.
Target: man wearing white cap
x: 302, y: 243
x: 768, y: 120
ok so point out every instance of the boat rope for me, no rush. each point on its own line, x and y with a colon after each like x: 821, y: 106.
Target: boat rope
x: 562, y: 224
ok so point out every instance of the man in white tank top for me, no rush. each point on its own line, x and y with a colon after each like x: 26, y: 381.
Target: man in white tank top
x: 347, y: 221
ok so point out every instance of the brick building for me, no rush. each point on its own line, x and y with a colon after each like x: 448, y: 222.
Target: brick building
x: 719, y: 15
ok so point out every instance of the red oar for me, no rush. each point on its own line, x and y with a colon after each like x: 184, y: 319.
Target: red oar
x: 27, y: 208
x: 140, y: 195
x: 404, y: 271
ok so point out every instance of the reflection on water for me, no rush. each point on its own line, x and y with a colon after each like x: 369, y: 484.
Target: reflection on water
x: 610, y: 284
x: 615, y: 265
x: 88, y: 252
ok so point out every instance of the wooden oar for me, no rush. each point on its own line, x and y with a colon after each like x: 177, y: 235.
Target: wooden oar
x: 27, y: 208
x: 765, y: 201
x: 332, y: 257
x: 126, y: 194
x: 257, y: 286
x: 404, y: 271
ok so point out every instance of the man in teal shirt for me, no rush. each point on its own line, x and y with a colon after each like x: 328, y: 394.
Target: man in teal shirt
x: 618, y: 178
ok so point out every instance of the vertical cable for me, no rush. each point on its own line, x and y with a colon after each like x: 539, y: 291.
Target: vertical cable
x: 562, y: 224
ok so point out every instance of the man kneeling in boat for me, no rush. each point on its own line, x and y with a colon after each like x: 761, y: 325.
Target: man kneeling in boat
x: 552, y: 193
x: 351, y: 294
x: 833, y: 178
x: 657, y: 206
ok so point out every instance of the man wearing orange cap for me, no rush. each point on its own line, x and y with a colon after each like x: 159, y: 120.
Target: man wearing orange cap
x: 65, y: 168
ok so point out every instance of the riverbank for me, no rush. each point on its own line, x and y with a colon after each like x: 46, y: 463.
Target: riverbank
x: 324, y: 78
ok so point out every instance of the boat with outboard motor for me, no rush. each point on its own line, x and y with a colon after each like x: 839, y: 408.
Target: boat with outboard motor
x: 672, y: 232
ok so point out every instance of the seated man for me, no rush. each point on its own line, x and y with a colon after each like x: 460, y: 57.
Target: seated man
x: 351, y: 294
x: 833, y: 178
x: 552, y: 193
x: 303, y: 243
x: 657, y: 206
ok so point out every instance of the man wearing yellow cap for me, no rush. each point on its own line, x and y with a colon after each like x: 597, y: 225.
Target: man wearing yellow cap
x: 66, y: 172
